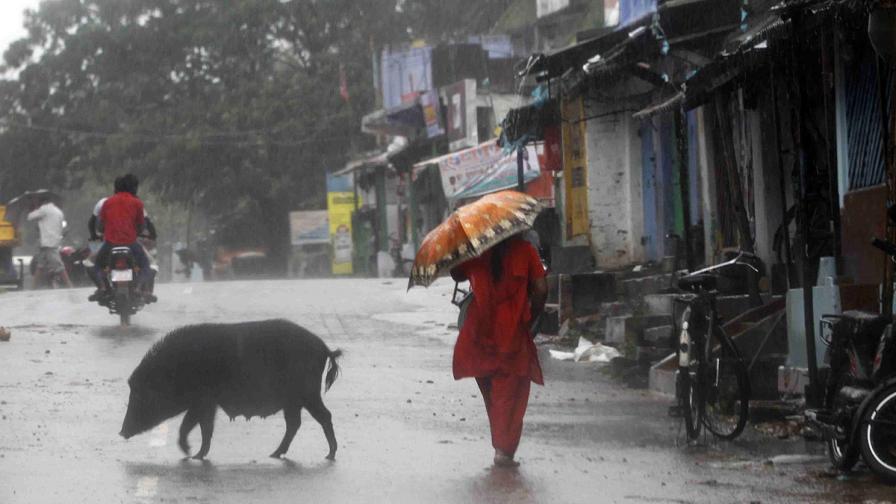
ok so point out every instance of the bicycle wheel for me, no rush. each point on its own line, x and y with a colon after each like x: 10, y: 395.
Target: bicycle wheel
x: 690, y: 401
x: 726, y: 386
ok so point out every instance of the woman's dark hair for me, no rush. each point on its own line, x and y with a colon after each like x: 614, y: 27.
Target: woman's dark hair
x: 497, y: 259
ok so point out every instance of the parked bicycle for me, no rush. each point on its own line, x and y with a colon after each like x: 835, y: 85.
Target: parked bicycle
x: 713, y: 389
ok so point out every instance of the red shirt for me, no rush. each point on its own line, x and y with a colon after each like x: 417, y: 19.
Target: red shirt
x: 122, y: 216
x: 495, y: 337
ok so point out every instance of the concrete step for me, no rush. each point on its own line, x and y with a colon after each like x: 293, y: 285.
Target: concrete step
x: 658, y: 304
x: 659, y: 336
x: 630, y: 328
x: 662, y: 375
x: 590, y: 291
x: 615, y: 309
x: 650, y: 355
x: 635, y: 288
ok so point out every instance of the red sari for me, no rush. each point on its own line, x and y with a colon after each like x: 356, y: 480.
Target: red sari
x: 494, y: 345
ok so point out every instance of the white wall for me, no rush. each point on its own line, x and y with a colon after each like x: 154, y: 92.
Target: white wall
x: 614, y: 186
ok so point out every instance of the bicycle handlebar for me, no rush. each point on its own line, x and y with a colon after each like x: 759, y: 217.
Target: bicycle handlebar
x: 731, y: 262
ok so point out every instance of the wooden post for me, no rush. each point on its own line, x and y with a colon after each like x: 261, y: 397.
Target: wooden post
x: 684, y: 180
x: 827, y: 79
x: 888, y: 144
x: 788, y: 263
x: 796, y: 83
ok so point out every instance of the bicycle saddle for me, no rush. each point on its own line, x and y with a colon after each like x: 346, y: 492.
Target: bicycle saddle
x: 696, y: 283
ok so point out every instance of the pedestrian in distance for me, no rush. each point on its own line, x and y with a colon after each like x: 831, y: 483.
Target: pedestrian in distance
x: 495, y: 344
x: 51, y: 225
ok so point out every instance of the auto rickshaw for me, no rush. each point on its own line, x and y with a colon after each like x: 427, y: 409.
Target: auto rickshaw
x: 10, y: 274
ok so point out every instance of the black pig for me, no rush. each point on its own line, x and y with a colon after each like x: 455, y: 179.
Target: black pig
x: 249, y: 369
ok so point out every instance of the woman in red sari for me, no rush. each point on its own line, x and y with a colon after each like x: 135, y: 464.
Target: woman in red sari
x: 495, y: 343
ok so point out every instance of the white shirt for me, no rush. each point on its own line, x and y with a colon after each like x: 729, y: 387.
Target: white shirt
x: 98, y: 207
x: 50, y: 222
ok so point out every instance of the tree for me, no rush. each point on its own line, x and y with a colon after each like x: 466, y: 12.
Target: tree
x: 229, y: 105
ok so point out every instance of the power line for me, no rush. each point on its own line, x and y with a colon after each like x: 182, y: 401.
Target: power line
x: 203, y: 138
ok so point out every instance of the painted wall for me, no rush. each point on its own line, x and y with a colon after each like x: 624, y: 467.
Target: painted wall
x: 614, y: 186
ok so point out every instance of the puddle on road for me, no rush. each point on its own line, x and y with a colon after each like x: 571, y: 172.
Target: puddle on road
x: 116, y: 332
x: 159, y: 436
x: 147, y: 487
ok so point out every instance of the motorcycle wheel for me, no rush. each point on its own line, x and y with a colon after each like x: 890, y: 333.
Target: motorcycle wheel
x: 877, y: 434
x: 844, y: 454
x: 123, y: 305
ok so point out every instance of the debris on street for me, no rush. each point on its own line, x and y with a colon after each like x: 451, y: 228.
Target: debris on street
x: 587, y: 351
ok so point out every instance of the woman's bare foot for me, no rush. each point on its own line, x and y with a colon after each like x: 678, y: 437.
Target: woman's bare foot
x: 504, y: 460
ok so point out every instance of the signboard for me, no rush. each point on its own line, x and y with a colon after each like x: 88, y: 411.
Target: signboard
x: 459, y: 168
x: 575, y: 168
x: 405, y: 73
x: 310, y: 227
x: 340, y: 206
x: 460, y: 100
x: 611, y: 12
x: 633, y: 10
x: 432, y: 113
x: 503, y: 174
x: 545, y: 7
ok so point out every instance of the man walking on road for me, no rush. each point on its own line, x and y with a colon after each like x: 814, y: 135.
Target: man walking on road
x: 50, y: 222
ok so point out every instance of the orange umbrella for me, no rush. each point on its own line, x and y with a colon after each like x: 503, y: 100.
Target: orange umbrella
x: 471, y: 230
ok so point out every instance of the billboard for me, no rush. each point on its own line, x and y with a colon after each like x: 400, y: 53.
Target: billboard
x: 432, y: 113
x: 575, y: 168
x: 460, y: 100
x: 309, y: 227
x: 633, y: 10
x: 545, y: 7
x: 340, y: 206
x: 406, y: 73
x: 502, y: 174
x: 459, y: 168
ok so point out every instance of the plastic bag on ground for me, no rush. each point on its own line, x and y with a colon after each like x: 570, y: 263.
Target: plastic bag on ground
x: 587, y: 351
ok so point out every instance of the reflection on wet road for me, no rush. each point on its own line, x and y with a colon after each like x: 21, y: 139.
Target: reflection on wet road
x: 407, y: 431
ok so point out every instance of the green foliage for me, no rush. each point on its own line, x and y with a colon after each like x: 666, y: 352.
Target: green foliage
x: 231, y: 106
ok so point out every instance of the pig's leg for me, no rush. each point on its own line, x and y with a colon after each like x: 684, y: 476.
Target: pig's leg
x: 325, y: 419
x: 207, y: 425
x: 189, y: 422
x: 293, y: 416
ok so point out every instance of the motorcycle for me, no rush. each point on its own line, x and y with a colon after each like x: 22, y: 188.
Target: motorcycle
x: 124, y: 297
x: 858, y: 417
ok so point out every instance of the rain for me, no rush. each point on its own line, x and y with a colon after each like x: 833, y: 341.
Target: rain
x: 633, y: 251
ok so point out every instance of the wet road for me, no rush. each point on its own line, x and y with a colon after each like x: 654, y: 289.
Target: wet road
x: 407, y: 431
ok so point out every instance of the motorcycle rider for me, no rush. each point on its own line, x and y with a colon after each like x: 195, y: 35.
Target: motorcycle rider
x: 146, y: 238
x: 122, y: 216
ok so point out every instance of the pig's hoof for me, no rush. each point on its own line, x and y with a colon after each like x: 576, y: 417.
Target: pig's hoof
x: 331, y: 456
x: 276, y: 455
x: 198, y: 456
x: 184, y: 446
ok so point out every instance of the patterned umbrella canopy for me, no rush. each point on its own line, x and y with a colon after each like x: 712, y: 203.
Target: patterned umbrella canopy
x: 471, y: 230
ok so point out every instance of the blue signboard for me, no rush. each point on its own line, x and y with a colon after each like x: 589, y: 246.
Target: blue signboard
x: 633, y: 10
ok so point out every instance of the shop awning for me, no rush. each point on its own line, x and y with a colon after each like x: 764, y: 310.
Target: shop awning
x: 743, y: 52
x: 406, y: 120
x: 678, y: 22
x: 374, y: 159
x: 666, y: 104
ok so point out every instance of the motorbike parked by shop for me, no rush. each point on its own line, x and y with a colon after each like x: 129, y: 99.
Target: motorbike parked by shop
x: 858, y: 417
